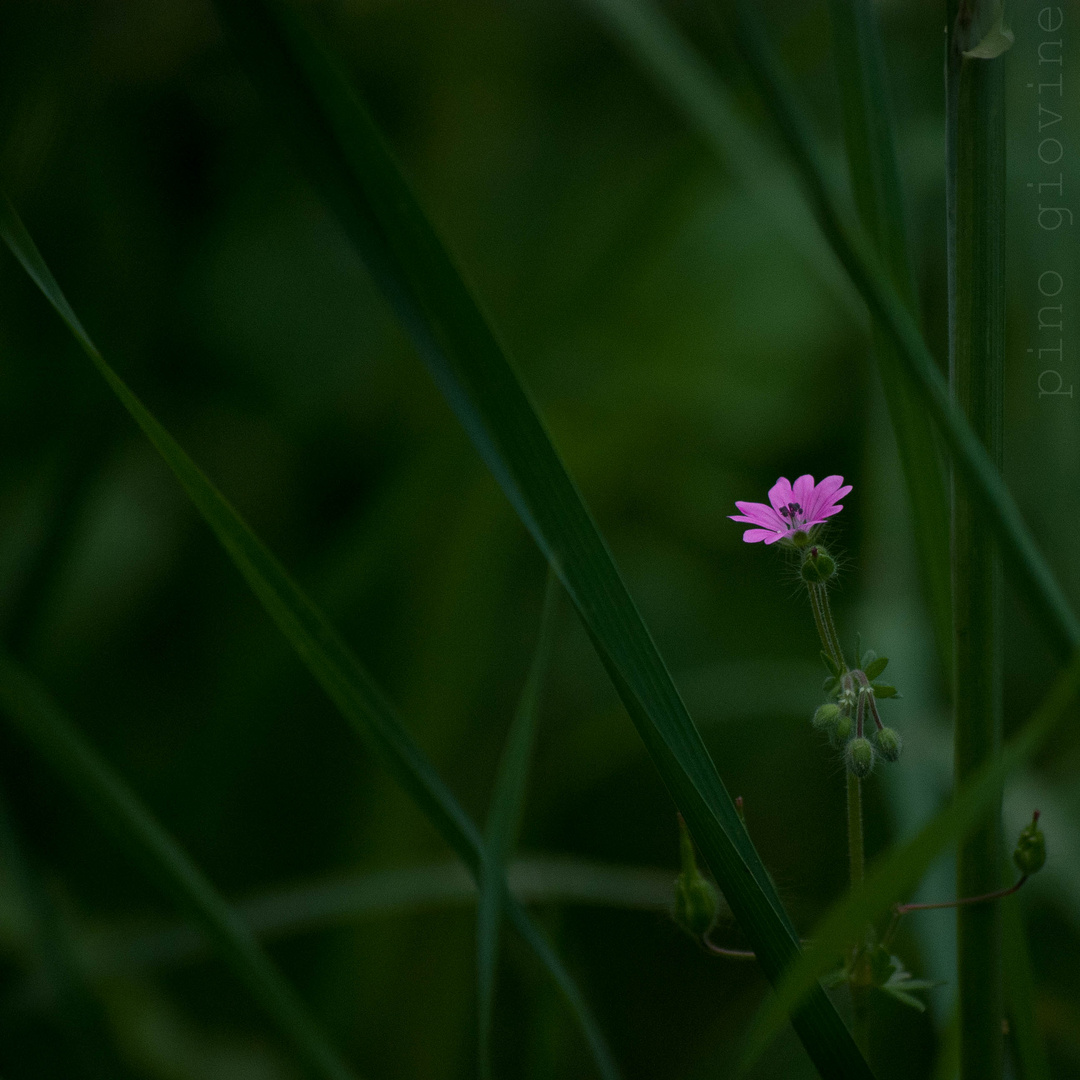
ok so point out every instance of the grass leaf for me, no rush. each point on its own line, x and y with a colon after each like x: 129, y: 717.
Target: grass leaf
x: 867, y: 112
x: 42, y: 723
x: 326, y: 656
x: 335, y: 137
x: 504, y: 820
x: 975, y: 218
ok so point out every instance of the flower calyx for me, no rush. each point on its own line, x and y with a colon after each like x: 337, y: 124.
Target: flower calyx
x: 818, y: 566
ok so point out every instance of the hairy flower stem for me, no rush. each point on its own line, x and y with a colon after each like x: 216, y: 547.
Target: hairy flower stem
x: 826, y: 628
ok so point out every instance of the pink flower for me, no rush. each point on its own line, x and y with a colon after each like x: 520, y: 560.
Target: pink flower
x: 796, y: 508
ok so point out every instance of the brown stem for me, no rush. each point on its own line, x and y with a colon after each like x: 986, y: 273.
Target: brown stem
x: 903, y: 909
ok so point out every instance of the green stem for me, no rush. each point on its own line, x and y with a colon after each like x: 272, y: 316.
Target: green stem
x: 823, y: 620
x: 856, y: 855
x: 830, y: 626
x: 857, y: 863
x: 975, y: 152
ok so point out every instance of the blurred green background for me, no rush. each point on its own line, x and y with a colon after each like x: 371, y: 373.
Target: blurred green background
x: 685, y: 349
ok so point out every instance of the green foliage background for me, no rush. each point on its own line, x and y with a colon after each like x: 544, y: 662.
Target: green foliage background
x: 683, y: 350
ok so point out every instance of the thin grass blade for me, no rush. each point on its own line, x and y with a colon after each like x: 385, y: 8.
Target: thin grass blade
x: 868, y: 131
x: 699, y: 101
x: 1024, y: 1037
x: 975, y: 204
x: 336, y: 138
x: 895, y: 875
x: 504, y: 822
x: 42, y: 723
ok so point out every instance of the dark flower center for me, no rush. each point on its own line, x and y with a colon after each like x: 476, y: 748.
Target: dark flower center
x: 791, y: 510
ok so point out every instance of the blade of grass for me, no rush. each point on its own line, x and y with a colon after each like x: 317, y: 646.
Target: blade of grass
x: 313, y: 906
x: 336, y: 138
x: 650, y: 38
x: 896, y: 874
x: 867, y: 112
x: 42, y: 723
x: 975, y: 204
x: 326, y: 656
x: 504, y: 822
x: 49, y: 942
x: 1024, y: 1035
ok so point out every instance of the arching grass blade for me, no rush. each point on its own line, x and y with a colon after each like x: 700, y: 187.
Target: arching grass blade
x: 337, y: 140
x: 504, y: 821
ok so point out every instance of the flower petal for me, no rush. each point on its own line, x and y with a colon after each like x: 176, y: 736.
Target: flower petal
x: 752, y: 536
x: 780, y: 494
x: 828, y: 491
x: 803, y: 490
x: 759, y: 514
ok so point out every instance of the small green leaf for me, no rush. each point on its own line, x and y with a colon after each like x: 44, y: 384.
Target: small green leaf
x: 998, y: 39
x: 883, y: 690
x: 876, y: 666
x: 830, y: 665
x: 909, y: 1000
x: 831, y: 685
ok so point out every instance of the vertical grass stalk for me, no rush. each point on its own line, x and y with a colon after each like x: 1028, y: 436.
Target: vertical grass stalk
x: 975, y: 159
x: 875, y: 181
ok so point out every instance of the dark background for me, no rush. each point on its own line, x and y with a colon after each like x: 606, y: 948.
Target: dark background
x: 684, y: 352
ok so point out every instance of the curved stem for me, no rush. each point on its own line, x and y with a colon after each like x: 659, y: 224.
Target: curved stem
x: 997, y: 894
x: 730, y: 954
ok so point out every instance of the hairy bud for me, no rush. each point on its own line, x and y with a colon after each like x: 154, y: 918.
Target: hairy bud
x: 859, y: 757
x: 825, y: 718
x: 818, y: 566
x: 888, y: 744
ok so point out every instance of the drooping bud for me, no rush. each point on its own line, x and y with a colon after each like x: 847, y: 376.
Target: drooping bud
x: 826, y: 717
x: 818, y: 566
x: 1030, y: 853
x: 844, y: 726
x: 859, y: 757
x: 889, y: 744
x: 696, y: 902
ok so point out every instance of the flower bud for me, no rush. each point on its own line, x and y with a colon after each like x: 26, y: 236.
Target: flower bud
x: 1030, y: 853
x: 859, y: 757
x: 818, y: 566
x: 695, y: 904
x: 888, y: 744
x: 844, y: 726
x: 826, y: 717
x: 696, y: 901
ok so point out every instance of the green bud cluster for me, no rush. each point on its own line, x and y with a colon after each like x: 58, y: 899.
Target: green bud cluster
x: 855, y: 696
x: 1030, y: 853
